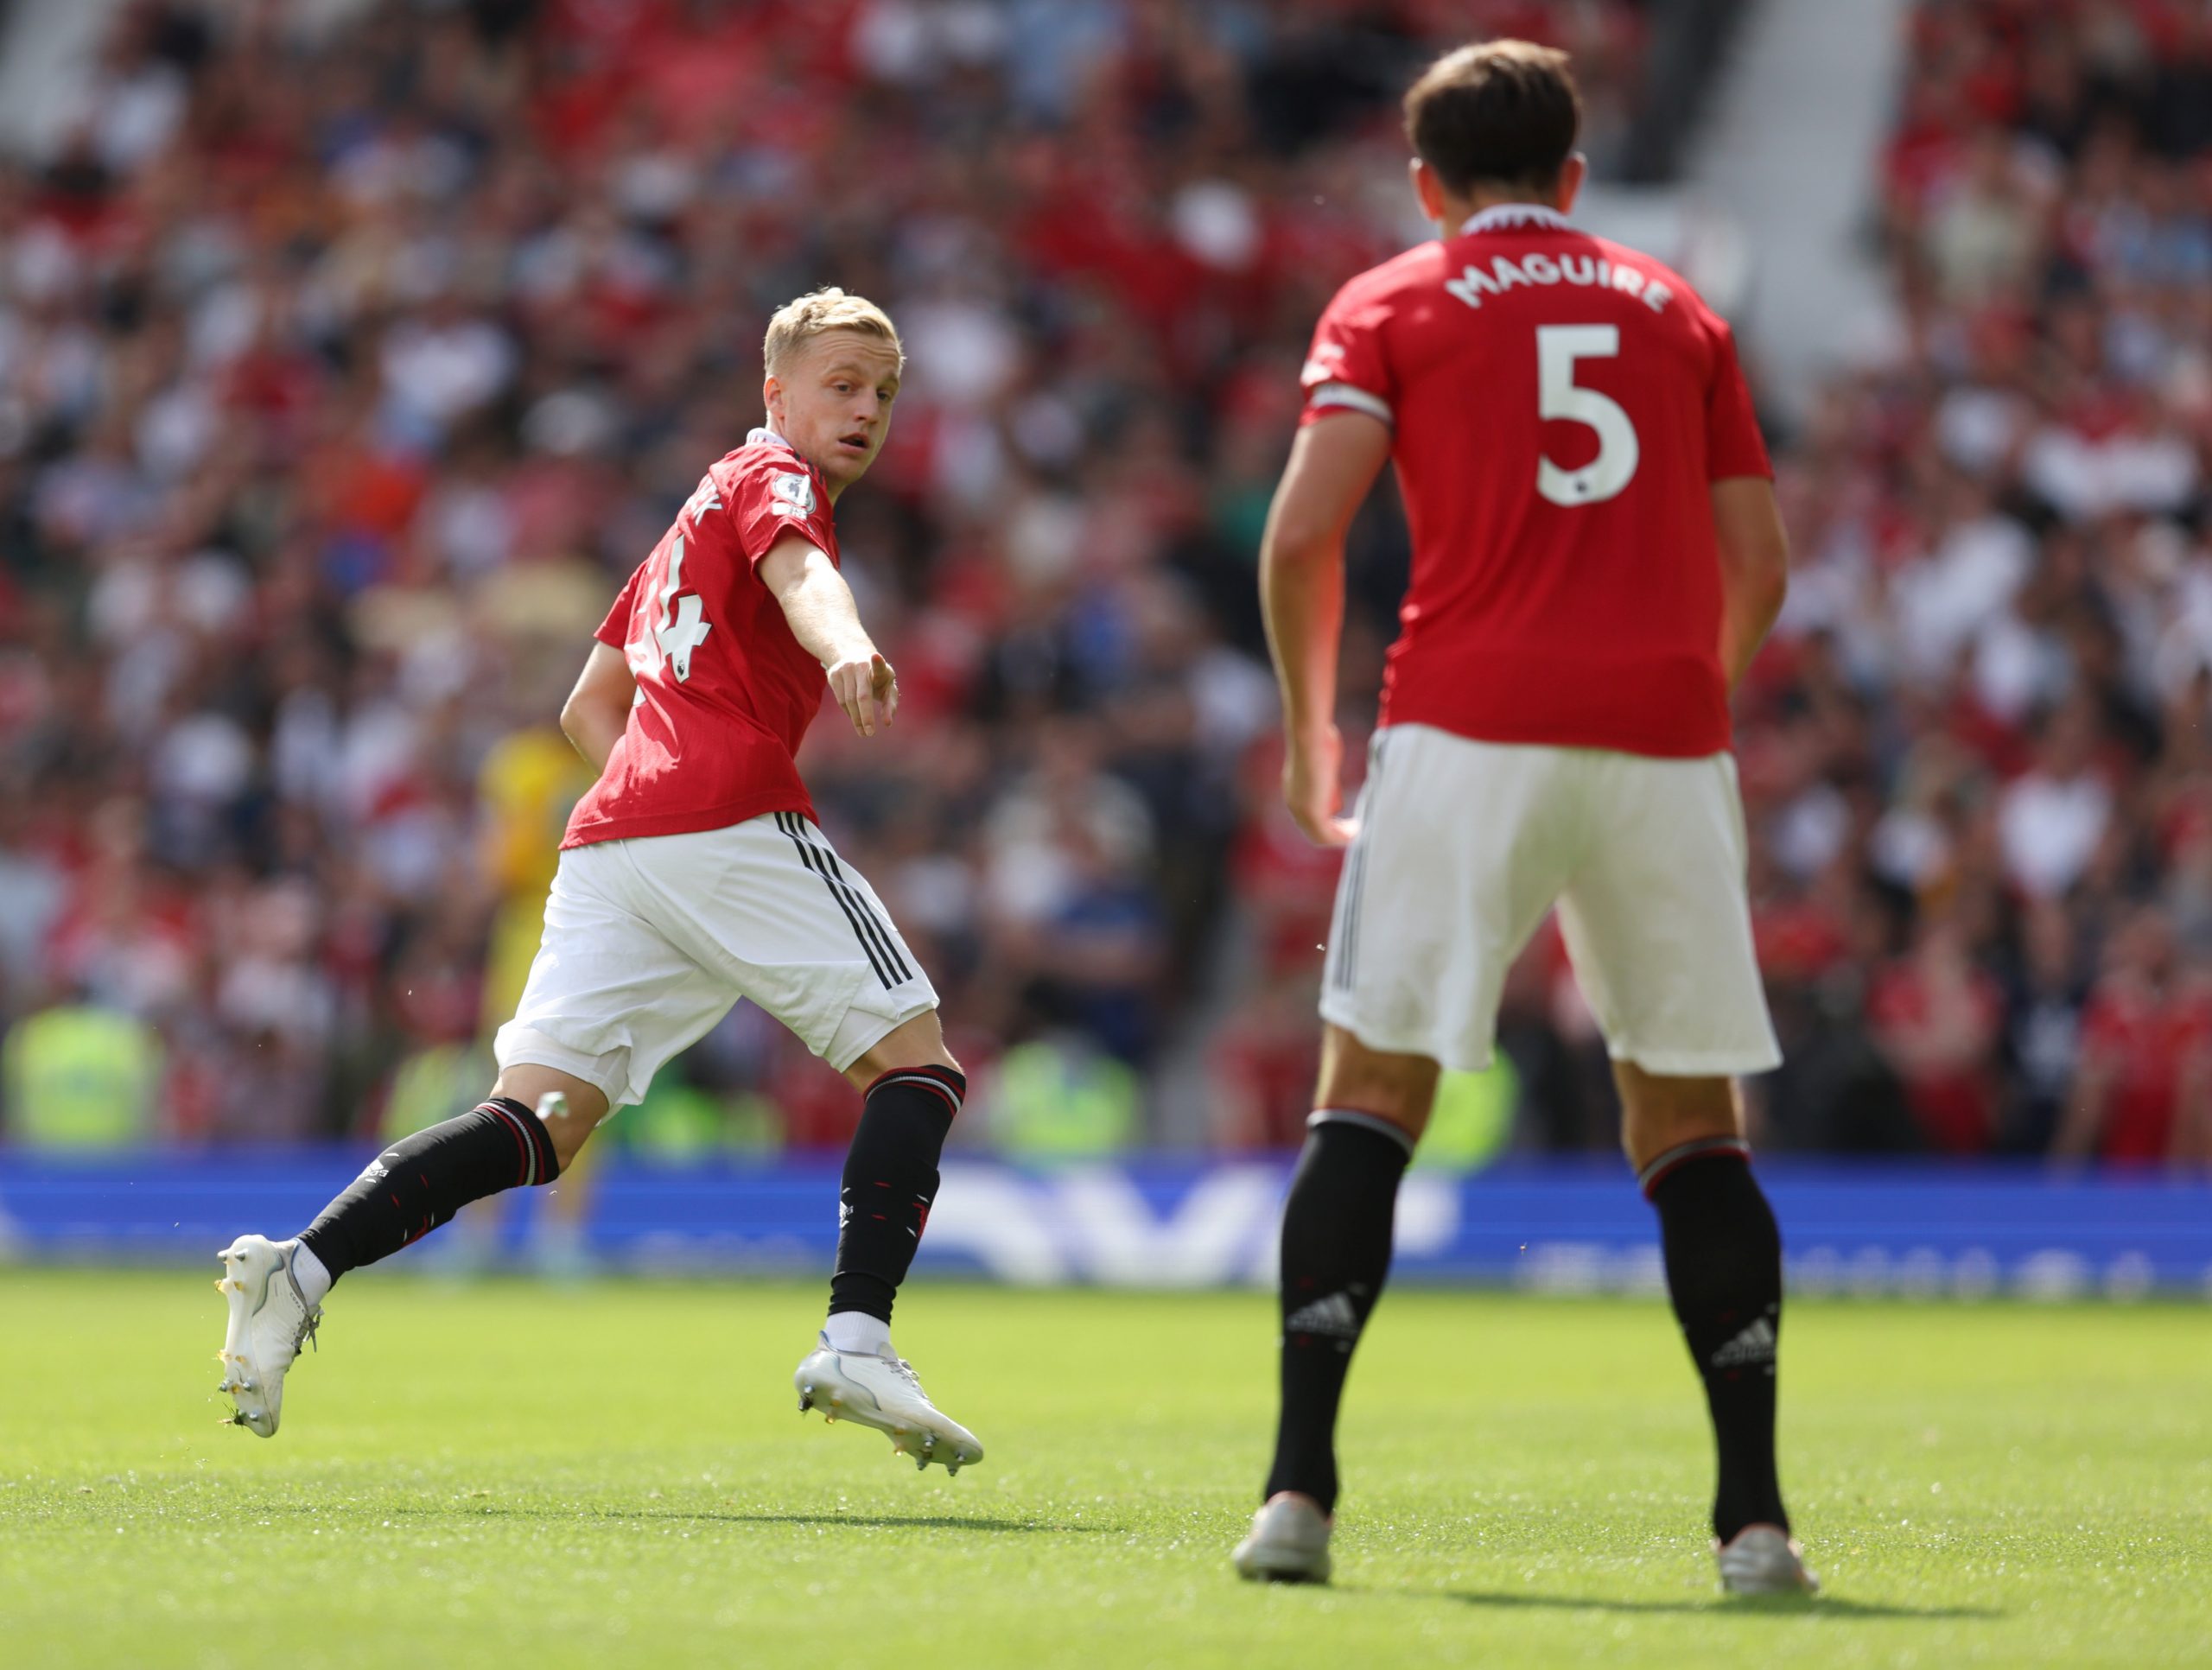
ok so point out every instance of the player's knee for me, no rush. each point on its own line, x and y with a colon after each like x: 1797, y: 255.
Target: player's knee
x: 1663, y: 1112
x: 1398, y: 1087
x: 916, y: 1043
x: 571, y: 1121
x: 570, y: 1134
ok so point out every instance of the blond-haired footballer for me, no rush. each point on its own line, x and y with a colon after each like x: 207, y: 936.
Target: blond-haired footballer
x: 693, y: 873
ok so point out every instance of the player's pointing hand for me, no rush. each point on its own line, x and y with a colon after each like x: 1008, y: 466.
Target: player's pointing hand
x: 1311, y: 769
x: 868, y: 689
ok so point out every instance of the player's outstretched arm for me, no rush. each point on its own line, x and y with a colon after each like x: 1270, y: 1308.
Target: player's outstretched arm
x: 1332, y: 464
x: 827, y: 623
x: 1754, y: 567
x: 597, y: 710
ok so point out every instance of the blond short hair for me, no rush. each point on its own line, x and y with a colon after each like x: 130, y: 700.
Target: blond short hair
x: 795, y: 323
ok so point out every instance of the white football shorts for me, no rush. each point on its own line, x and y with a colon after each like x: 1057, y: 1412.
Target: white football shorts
x: 1462, y: 846
x: 648, y: 942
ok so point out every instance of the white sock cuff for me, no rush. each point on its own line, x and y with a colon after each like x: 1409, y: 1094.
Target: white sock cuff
x: 858, y: 1332
x: 307, y: 1270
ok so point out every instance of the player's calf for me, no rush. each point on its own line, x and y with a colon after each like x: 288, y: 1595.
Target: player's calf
x: 1723, y: 1256
x: 889, y: 1186
x: 1336, y: 1227
x: 913, y: 1092
x: 422, y: 1181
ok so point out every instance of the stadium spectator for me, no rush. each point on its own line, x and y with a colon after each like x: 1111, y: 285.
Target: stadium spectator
x: 80, y: 1077
x: 1936, y: 1017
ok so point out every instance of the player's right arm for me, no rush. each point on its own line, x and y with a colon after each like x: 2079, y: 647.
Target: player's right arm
x: 827, y: 623
x: 597, y: 710
x: 1333, y: 463
x: 1754, y: 567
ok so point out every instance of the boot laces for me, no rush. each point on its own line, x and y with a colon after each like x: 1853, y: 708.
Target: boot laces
x: 905, y: 1371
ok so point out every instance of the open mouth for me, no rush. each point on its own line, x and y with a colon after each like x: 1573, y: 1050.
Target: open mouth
x: 855, y: 444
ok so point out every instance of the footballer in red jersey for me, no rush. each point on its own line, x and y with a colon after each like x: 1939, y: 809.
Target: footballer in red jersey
x: 692, y: 874
x: 1596, y: 558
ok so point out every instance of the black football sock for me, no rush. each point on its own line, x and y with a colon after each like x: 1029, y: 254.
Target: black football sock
x: 1336, y: 1252
x: 421, y: 1181
x: 890, y: 1181
x: 1724, y: 1274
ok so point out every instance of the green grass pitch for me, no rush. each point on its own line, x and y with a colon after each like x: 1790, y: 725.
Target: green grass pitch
x: 613, y: 1475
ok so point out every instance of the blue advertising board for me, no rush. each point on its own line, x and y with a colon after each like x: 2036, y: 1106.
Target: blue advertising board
x: 1178, y: 1221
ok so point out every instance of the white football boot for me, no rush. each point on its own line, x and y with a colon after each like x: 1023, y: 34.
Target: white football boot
x: 1289, y: 1542
x: 885, y: 1393
x: 270, y: 1319
x: 1762, y: 1559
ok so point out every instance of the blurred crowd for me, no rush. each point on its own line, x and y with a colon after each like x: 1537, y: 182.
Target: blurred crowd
x: 1976, y: 754
x: 351, y: 357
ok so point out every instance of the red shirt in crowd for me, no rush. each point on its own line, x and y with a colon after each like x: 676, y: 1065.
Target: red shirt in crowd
x: 2142, y: 1042
x: 1952, y: 1098
x: 1558, y: 407
x: 725, y: 692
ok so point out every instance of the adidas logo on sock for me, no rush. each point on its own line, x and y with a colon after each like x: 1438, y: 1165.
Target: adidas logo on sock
x: 1333, y: 1316
x: 1754, y: 1344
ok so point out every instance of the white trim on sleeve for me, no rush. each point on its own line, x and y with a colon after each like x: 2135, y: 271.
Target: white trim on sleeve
x: 1353, y: 399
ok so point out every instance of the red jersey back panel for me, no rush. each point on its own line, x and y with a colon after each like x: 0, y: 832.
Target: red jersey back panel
x: 1558, y: 407
x: 724, y: 693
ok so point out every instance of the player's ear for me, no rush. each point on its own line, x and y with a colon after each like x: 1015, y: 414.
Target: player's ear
x: 1572, y: 173
x: 772, y: 400
x: 1428, y: 190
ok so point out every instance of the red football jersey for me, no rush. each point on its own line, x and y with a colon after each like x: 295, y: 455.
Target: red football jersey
x: 725, y: 692
x: 1558, y: 407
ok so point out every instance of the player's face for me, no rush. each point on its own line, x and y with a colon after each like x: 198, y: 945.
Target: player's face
x: 833, y: 404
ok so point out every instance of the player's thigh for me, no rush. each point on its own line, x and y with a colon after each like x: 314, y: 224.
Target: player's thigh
x: 773, y: 908
x: 1462, y: 847
x: 611, y: 997
x: 1658, y: 922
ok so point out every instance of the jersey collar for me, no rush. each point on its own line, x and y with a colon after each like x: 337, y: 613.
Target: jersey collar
x: 765, y: 436
x: 1499, y: 215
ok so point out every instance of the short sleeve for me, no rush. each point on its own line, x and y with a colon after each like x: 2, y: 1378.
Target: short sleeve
x: 768, y: 501
x: 1733, y: 445
x: 1346, y: 370
x: 614, y: 630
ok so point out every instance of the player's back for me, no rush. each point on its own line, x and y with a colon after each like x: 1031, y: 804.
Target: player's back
x: 1560, y: 407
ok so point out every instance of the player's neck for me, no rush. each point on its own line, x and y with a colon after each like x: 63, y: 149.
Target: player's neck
x: 1459, y: 211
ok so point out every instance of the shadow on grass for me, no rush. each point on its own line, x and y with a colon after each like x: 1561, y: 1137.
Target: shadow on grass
x: 901, y: 1521
x: 858, y: 1521
x: 1764, y: 1606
